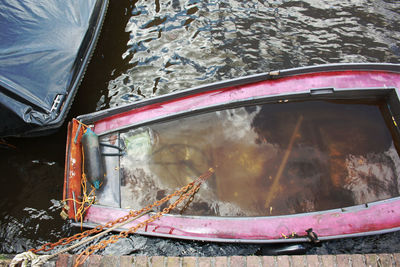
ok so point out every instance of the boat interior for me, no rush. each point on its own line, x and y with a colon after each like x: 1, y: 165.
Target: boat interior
x: 272, y: 156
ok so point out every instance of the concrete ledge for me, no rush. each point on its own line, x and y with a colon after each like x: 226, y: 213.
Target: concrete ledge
x: 351, y: 260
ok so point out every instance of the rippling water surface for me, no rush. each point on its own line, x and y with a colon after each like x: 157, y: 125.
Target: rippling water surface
x: 181, y: 44
x: 149, y: 48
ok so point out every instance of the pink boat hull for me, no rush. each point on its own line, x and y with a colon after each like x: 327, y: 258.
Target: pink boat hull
x: 327, y: 225
x: 283, y: 86
x: 377, y: 217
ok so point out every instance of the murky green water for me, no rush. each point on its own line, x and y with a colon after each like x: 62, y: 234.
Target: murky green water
x: 149, y: 48
x: 269, y: 159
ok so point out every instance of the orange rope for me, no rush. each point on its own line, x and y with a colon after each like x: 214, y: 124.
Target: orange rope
x: 81, y: 123
x: 185, y: 192
x: 187, y: 188
x: 87, y: 199
x: 3, y: 142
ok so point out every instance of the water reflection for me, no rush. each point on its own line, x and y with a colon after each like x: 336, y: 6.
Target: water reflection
x: 31, y: 188
x: 180, y: 44
x: 270, y: 159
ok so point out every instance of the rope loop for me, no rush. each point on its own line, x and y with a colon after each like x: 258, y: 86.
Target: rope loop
x: 183, y: 193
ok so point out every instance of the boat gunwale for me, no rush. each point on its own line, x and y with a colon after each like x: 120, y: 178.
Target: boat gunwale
x: 247, y: 241
x: 347, y: 209
x: 267, y: 99
x: 67, y: 163
x: 261, y: 219
x: 72, y: 169
x: 272, y: 75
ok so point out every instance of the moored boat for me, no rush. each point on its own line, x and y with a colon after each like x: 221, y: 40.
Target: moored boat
x: 44, y: 51
x: 297, y: 155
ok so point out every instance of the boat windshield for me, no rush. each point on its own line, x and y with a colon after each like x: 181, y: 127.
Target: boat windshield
x: 269, y: 159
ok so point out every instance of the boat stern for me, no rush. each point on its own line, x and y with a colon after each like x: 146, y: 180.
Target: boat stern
x: 73, y: 169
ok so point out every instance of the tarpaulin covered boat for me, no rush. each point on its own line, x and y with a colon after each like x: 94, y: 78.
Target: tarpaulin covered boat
x: 44, y: 49
x: 297, y: 155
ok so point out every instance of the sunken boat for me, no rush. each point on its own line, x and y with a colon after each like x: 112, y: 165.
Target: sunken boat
x: 296, y: 155
x: 44, y: 50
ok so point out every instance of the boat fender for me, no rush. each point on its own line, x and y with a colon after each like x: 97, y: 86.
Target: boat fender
x: 284, y: 249
x: 93, y: 163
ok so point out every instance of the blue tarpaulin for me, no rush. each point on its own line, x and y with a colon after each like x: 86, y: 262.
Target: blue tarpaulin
x: 44, y: 48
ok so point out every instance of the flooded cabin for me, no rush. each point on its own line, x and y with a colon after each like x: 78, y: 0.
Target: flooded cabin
x: 272, y: 157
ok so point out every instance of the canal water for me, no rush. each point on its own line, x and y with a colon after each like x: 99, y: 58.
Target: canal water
x: 149, y: 48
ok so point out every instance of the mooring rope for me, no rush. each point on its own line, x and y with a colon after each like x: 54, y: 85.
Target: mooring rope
x: 40, y: 260
x: 183, y: 193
